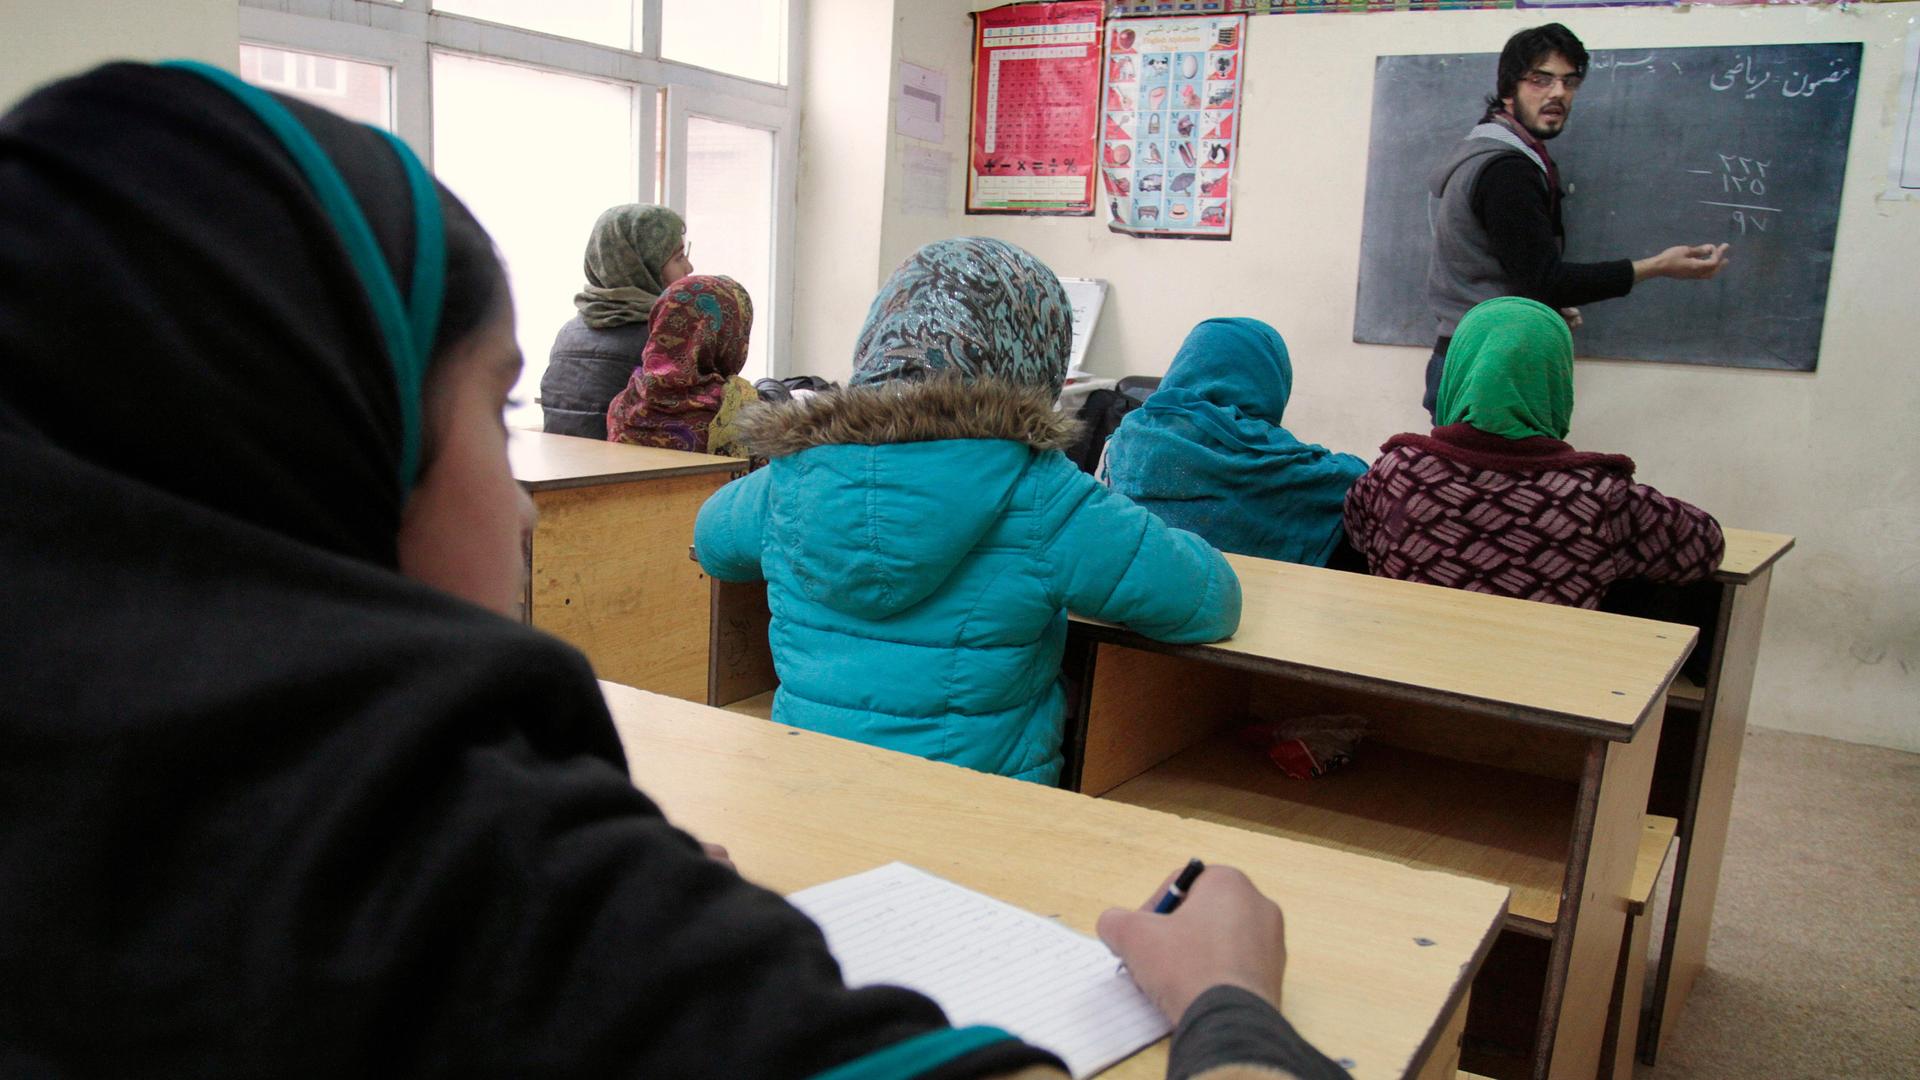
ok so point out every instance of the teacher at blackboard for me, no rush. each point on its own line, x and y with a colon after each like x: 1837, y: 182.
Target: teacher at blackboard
x: 1494, y: 203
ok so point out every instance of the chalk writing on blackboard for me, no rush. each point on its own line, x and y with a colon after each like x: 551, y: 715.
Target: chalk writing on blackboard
x: 1743, y: 187
x: 1746, y: 77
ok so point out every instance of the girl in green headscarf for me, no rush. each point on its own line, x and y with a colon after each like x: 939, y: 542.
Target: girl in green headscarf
x: 1494, y: 501
x: 1510, y: 371
x: 634, y: 253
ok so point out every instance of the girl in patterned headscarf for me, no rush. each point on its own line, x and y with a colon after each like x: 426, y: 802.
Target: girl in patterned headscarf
x: 923, y: 537
x: 972, y: 308
x: 686, y: 393
x: 634, y: 253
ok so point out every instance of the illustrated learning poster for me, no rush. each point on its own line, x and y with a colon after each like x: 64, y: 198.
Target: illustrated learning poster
x: 1170, y: 121
x: 1036, y: 109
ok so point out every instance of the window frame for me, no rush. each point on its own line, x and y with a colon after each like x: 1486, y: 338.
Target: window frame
x: 683, y: 102
x: 402, y: 36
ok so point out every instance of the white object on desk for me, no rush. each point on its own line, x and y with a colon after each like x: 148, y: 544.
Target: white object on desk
x: 1086, y: 296
x: 985, y: 962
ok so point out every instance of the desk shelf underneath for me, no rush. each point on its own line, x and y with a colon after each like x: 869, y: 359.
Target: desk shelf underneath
x: 1497, y: 825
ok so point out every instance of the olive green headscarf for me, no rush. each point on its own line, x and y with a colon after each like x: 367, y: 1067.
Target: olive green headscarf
x: 1510, y: 371
x: 626, y: 256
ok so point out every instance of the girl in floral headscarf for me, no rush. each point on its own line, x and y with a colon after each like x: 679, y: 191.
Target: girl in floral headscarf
x: 923, y: 537
x: 687, y: 393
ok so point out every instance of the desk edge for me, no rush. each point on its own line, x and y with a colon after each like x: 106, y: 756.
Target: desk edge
x: 598, y: 479
x: 1573, y: 723
x: 1727, y: 578
x: 1456, y: 995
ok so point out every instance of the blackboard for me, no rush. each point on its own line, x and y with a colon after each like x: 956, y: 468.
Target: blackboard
x: 1745, y: 145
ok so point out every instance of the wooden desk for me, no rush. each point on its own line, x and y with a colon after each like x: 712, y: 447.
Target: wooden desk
x: 1379, y: 955
x: 608, y: 567
x: 1699, y: 756
x: 1630, y: 979
x: 1509, y: 741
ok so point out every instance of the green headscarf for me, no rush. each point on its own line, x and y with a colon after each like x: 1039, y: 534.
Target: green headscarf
x: 1510, y: 371
x: 626, y: 258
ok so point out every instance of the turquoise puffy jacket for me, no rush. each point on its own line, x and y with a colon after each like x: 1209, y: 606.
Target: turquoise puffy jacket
x: 922, y: 545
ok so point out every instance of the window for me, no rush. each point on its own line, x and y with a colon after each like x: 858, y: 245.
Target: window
x: 540, y: 114
x: 730, y: 216
x: 536, y: 156
x: 747, y: 38
x: 355, y: 90
x: 603, y: 22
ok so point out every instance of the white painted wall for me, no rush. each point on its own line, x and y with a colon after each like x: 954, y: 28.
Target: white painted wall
x: 1829, y: 457
x: 845, y: 118
x: 42, y: 40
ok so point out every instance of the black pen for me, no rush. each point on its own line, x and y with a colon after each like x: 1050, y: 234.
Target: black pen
x: 1177, y: 891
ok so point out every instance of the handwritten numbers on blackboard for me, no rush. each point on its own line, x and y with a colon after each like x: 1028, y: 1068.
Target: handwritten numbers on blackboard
x: 1743, y: 180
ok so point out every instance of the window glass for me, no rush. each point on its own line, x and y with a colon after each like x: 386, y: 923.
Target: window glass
x: 537, y: 156
x: 740, y: 37
x: 355, y: 90
x: 603, y: 22
x: 730, y: 216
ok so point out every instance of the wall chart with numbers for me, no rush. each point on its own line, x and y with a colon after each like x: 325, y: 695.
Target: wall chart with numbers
x: 1170, y: 121
x: 1036, y: 108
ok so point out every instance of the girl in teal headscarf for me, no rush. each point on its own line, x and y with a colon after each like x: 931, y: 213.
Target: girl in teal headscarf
x: 1207, y: 452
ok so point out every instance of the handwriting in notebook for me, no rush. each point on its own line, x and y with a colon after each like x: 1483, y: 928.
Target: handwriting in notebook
x: 985, y: 962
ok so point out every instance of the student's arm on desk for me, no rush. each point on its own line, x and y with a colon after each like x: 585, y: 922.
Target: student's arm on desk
x: 727, y: 534
x: 1114, y: 561
x: 1671, y: 542
x: 1216, y: 964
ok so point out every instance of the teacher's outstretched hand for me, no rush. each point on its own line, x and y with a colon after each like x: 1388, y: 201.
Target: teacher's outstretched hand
x: 1692, y: 262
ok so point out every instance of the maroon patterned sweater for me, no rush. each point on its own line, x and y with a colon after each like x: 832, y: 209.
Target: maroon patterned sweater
x: 1532, y: 518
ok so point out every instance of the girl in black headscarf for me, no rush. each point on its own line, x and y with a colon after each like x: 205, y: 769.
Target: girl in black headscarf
x: 279, y: 794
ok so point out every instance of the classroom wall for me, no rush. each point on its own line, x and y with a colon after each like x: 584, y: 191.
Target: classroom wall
x: 1826, y: 456
x: 41, y: 40
x: 844, y: 120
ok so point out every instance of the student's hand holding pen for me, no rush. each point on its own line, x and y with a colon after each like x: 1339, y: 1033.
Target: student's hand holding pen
x: 1224, y: 932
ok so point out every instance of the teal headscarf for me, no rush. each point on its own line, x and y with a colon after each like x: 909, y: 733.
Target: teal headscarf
x: 971, y: 307
x: 1206, y: 453
x: 1509, y: 371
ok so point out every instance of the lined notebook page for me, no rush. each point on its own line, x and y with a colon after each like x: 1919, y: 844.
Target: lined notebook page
x: 985, y: 962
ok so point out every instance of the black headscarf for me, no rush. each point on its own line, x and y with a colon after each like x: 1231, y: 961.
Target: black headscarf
x: 266, y: 806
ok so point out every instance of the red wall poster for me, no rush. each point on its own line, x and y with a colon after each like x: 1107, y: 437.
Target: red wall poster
x: 1036, y: 108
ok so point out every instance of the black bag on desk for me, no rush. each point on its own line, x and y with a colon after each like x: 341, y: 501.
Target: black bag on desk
x: 782, y: 389
x: 1102, y: 412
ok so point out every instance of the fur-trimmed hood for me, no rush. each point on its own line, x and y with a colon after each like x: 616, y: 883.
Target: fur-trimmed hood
x: 908, y: 412
x: 876, y: 494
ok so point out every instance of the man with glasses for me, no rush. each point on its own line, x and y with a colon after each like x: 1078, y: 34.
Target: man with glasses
x: 1494, y: 203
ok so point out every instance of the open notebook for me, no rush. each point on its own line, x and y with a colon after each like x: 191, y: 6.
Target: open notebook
x: 985, y: 962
